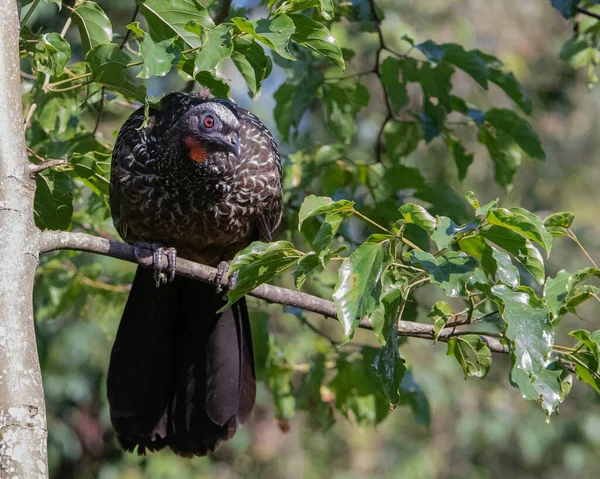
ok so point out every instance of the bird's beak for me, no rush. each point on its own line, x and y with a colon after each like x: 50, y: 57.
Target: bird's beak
x: 234, y: 143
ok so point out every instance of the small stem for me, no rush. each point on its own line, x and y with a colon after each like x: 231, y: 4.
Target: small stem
x: 574, y: 238
x: 66, y: 26
x: 476, y: 333
x: 368, y: 220
x: 587, y: 12
x: 69, y: 88
x: 128, y: 32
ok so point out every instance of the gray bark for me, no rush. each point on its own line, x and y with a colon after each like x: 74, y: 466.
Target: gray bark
x: 22, y: 411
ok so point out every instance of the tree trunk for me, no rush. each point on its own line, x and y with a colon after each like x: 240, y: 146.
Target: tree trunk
x: 23, y: 431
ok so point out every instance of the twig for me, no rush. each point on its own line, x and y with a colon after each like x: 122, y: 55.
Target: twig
x: 585, y: 11
x: 35, y: 169
x: 128, y: 32
x: 59, y: 240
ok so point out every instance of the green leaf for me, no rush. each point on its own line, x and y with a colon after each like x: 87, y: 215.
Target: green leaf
x: 293, y: 99
x: 509, y: 84
x: 358, y: 392
x: 568, y: 8
x: 436, y: 81
x: 401, y: 138
x: 440, y: 312
x: 52, y: 54
x: 168, y: 18
x: 461, y: 158
x: 588, y: 354
x: 358, y: 289
x: 523, y: 222
x: 252, y: 62
x: 94, y: 26
x: 432, y: 120
x: 495, y: 263
x: 451, y: 270
x: 257, y: 264
x: 109, y: 67
x: 308, y: 263
x: 472, y: 353
x: 343, y: 102
x: 329, y: 228
x: 325, y: 7
x: 505, y: 154
x: 531, y: 334
x: 217, y: 87
x: 275, y: 33
x: 384, y: 317
x: 520, y: 247
x: 548, y: 387
x: 158, y: 57
x: 318, y: 38
x: 318, y: 205
x: 390, y: 78
x: 517, y: 128
x: 53, y: 206
x: 419, y: 216
x: 446, y: 230
x: 389, y: 368
x: 412, y: 394
x: 215, y: 46
x: 563, y: 294
x: 470, y: 62
x: 558, y: 224
x: 578, y: 53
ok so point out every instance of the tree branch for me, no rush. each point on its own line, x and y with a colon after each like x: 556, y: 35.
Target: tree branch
x: 59, y: 240
x: 587, y: 12
x: 223, y: 12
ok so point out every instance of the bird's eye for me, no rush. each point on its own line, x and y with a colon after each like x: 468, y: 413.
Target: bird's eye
x: 209, y: 122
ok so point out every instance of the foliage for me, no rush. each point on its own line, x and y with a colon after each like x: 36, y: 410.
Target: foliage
x: 397, y: 238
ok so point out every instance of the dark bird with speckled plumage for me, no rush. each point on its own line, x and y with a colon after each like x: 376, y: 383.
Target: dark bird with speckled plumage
x: 201, y: 180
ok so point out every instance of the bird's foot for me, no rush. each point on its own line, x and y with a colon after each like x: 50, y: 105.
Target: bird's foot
x: 224, y: 282
x: 162, y: 274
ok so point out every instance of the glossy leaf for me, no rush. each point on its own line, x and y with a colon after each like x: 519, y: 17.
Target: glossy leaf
x: 318, y: 38
x: 440, y: 312
x: 520, y: 247
x: 275, y: 33
x: 318, y: 205
x: 52, y: 54
x: 472, y: 353
x: 358, y: 289
x: 257, y: 264
x: 558, y: 224
x: 158, y: 57
x: 518, y: 129
x: 94, y: 26
x: 451, y: 270
x: 495, y: 263
x: 530, y: 331
x: 419, y: 216
x: 252, y: 62
x: 168, y: 18
x: 53, y: 205
x: 216, y: 46
x: 109, y: 67
x: 522, y: 222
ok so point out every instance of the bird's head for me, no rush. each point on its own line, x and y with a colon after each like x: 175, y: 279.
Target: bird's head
x: 208, y: 128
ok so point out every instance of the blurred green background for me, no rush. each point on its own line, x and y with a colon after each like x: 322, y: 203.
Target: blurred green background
x: 479, y: 429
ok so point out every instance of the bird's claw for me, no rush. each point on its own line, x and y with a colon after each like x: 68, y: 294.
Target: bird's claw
x: 158, y: 252
x: 224, y: 282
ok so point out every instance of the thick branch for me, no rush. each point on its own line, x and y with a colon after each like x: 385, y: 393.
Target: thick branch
x: 57, y: 240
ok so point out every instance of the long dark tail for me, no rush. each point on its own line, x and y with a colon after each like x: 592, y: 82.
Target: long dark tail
x: 180, y: 375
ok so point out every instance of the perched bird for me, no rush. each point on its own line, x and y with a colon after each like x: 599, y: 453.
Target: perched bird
x: 200, y: 180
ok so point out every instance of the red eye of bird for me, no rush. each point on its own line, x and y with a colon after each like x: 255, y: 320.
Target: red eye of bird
x: 209, y: 122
